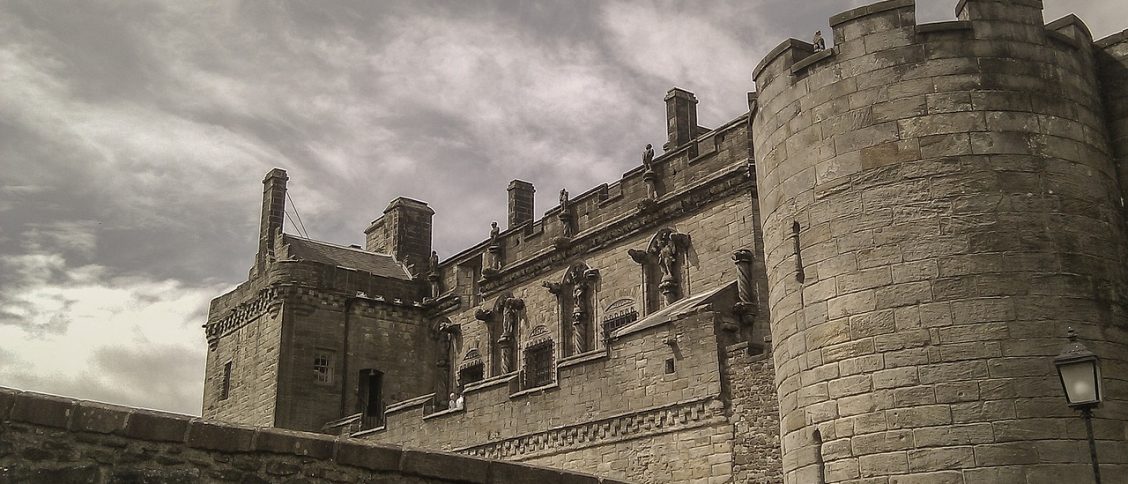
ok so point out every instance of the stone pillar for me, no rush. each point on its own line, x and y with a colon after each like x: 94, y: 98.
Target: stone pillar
x: 521, y: 209
x: 273, y: 215
x: 681, y: 118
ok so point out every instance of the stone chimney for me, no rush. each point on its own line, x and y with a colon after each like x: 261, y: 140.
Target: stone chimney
x: 273, y: 215
x: 520, y: 202
x: 404, y: 232
x: 681, y: 118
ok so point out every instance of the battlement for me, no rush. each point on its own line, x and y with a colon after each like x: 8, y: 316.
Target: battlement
x: 901, y: 174
x: 891, y: 27
x: 714, y: 157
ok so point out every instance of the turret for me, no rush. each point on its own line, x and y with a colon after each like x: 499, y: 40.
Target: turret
x: 937, y: 207
x: 404, y: 231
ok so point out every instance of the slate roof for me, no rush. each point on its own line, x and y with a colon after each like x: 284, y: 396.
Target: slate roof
x: 338, y: 255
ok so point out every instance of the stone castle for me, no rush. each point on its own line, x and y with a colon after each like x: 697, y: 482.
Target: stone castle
x: 863, y: 279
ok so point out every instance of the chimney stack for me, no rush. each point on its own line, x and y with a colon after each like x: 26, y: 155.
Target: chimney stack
x: 273, y: 215
x: 520, y: 202
x: 404, y: 231
x: 681, y: 118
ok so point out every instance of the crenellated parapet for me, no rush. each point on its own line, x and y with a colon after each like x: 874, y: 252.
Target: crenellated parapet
x: 939, y: 201
x: 712, y: 166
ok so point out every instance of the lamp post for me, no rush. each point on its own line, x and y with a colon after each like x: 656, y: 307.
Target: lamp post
x: 1080, y: 373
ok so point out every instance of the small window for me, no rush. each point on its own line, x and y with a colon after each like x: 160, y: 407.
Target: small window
x: 323, y: 367
x: 619, y: 314
x: 538, y: 364
x: 471, y: 374
x: 225, y: 390
x: 669, y: 366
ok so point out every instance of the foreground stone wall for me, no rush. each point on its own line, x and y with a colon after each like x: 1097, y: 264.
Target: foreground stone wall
x: 52, y: 440
x: 956, y: 208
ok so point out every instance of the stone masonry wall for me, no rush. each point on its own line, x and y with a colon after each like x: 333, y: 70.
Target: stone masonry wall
x: 605, y: 414
x: 253, y: 351
x: 52, y: 440
x: 716, y: 231
x: 755, y: 415
x: 393, y: 339
x: 957, y: 209
x: 1113, y: 61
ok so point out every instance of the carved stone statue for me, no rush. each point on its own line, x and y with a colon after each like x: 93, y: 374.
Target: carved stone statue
x: 513, y: 306
x: 434, y: 263
x: 667, y: 256
x: 579, y: 304
x: 494, y: 232
x: 563, y: 198
x: 818, y: 41
x: 648, y: 158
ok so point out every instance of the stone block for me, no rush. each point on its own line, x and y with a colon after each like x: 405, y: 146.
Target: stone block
x: 1017, y: 453
x: 281, y: 441
x: 944, y: 436
x: 444, y: 465
x: 883, y: 464
x: 369, y: 456
x: 943, y: 477
x: 99, y: 418
x: 40, y: 409
x: 922, y: 416
x: 514, y: 472
x: 156, y: 426
x: 221, y: 437
x: 7, y: 399
x: 948, y: 458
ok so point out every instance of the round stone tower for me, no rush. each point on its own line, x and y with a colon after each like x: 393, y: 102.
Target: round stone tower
x: 939, y: 204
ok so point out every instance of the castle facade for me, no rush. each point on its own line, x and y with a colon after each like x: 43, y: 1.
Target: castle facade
x: 863, y: 279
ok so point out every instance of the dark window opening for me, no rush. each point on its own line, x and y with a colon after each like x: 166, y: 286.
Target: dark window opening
x: 323, y: 367
x: 370, y: 397
x: 471, y: 374
x: 669, y: 366
x: 225, y: 390
x: 538, y: 364
x: 618, y: 320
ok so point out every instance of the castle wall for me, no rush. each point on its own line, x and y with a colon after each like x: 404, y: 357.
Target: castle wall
x: 957, y: 209
x: 253, y: 351
x: 50, y: 440
x: 750, y: 375
x: 271, y: 329
x: 618, y: 406
x: 1112, y: 59
x: 394, y: 340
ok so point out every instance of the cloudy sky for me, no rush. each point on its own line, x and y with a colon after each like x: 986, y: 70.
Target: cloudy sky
x: 134, y: 136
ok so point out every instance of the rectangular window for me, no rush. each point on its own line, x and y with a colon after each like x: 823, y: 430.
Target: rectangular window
x: 538, y: 365
x: 323, y: 367
x: 619, y: 319
x: 471, y: 374
x: 225, y: 390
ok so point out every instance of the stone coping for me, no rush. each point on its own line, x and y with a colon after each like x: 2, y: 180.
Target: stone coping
x: 841, y: 18
x: 945, y: 26
x: 593, y: 355
x: 79, y: 416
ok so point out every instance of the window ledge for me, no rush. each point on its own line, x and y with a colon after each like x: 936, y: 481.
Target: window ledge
x: 593, y: 355
x: 489, y: 382
x: 367, y: 432
x: 448, y: 411
x: 540, y: 389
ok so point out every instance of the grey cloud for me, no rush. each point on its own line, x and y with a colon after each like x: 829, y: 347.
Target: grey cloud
x: 150, y: 124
